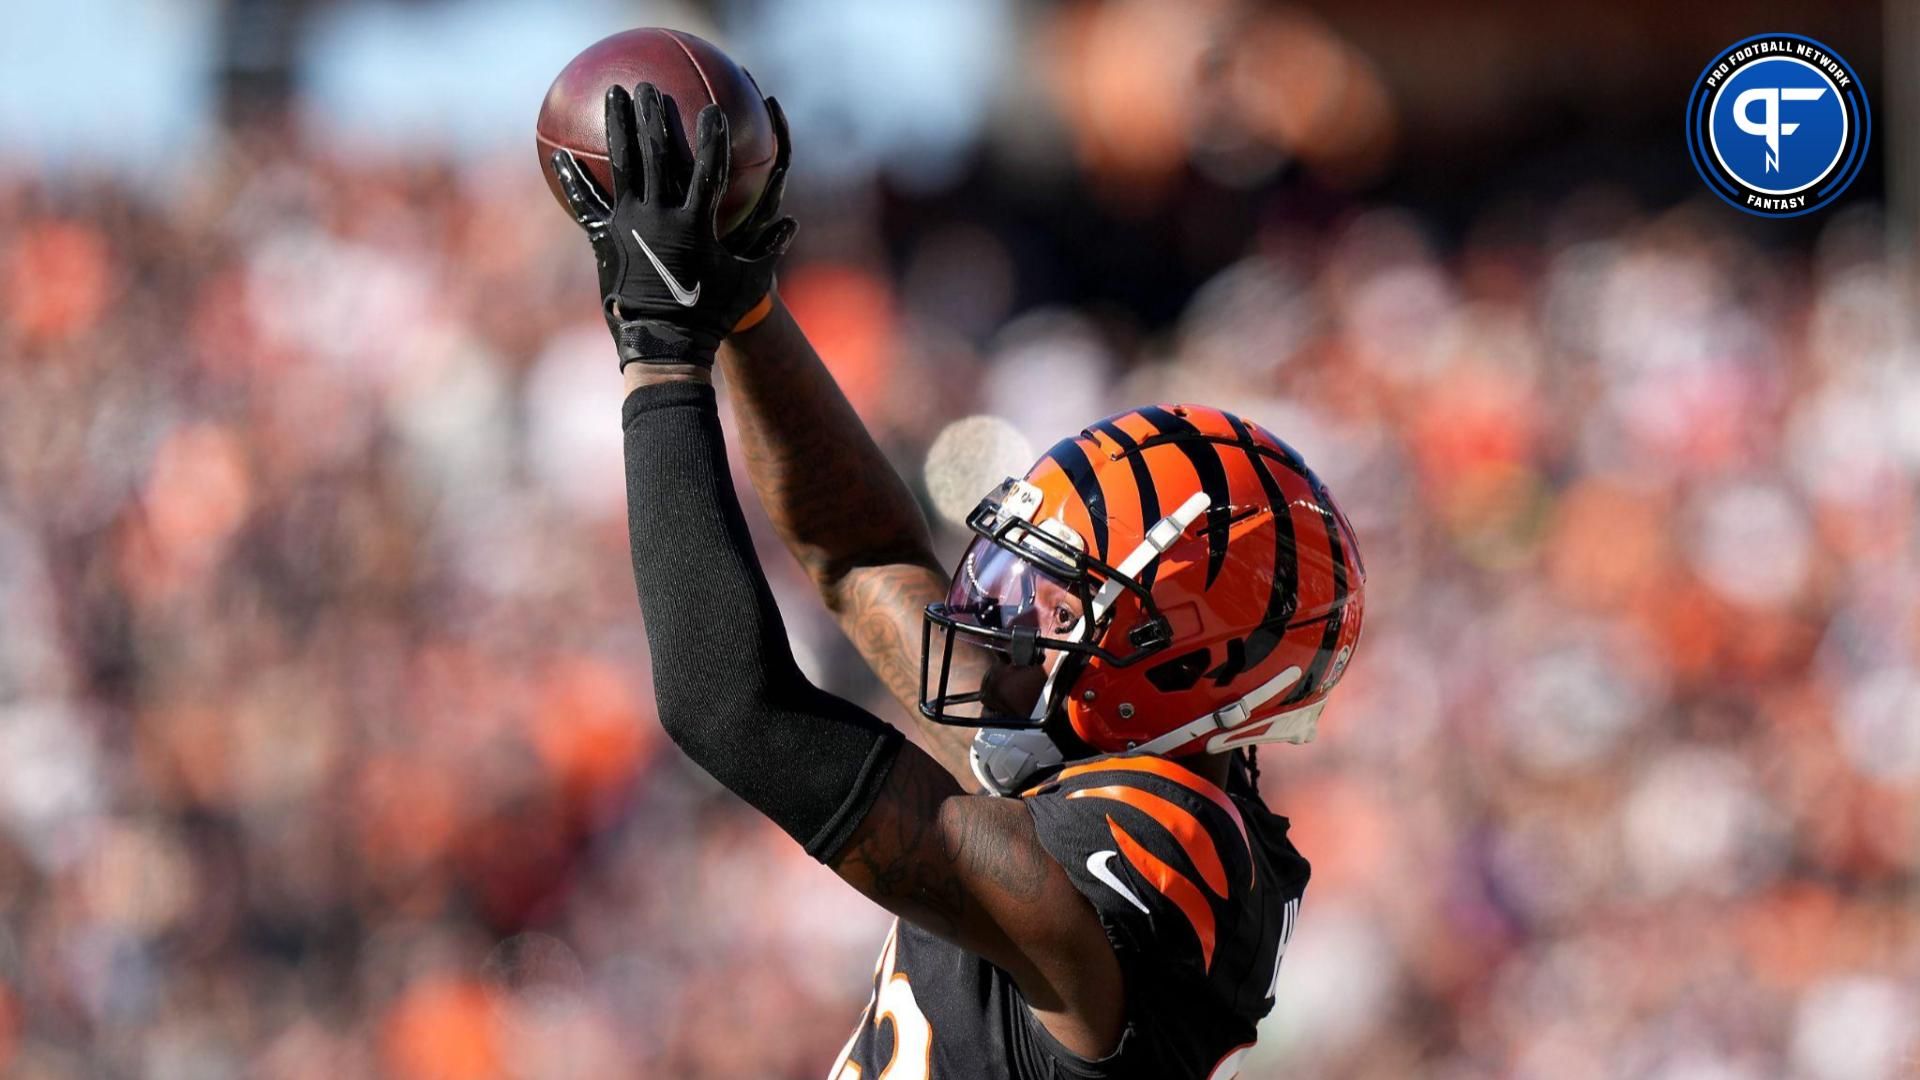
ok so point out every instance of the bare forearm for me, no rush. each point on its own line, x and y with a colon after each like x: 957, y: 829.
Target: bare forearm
x: 832, y: 495
x: 841, y: 509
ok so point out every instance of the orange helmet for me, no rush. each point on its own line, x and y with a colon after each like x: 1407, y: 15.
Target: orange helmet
x: 1184, y: 580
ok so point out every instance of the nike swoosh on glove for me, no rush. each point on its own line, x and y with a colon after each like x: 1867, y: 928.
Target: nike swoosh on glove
x: 671, y: 287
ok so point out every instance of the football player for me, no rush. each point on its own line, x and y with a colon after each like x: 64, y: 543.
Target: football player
x: 1086, y: 881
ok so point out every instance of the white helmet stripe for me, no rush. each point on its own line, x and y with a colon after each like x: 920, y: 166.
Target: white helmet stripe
x: 1230, y: 716
x: 1157, y: 541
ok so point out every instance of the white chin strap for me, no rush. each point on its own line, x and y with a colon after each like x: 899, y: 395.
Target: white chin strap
x: 1294, y: 726
x: 1155, y: 544
x: 1152, y: 546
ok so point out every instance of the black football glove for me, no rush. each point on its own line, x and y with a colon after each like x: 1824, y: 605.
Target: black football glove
x: 671, y: 288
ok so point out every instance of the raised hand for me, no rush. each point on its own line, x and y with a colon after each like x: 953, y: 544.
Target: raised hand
x: 671, y: 287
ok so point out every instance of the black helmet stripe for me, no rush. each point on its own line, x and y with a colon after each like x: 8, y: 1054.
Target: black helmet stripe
x: 1285, y: 455
x: 1142, y: 479
x: 1283, y: 597
x: 1205, y: 458
x: 1072, y: 459
x: 1330, y: 637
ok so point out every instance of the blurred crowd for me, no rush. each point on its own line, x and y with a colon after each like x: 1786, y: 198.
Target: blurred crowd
x: 326, y: 740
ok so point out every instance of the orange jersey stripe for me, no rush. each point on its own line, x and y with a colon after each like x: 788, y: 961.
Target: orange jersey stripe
x: 1185, y: 894
x: 1167, y: 770
x: 1185, y: 828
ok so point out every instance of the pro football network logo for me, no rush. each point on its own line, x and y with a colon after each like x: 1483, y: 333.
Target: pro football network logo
x: 1778, y: 124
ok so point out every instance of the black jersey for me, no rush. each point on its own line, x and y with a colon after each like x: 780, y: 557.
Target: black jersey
x: 1198, y: 891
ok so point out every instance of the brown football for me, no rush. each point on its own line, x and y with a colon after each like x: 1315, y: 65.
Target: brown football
x: 689, y: 71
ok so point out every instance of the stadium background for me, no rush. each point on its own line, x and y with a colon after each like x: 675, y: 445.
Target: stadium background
x: 325, y: 733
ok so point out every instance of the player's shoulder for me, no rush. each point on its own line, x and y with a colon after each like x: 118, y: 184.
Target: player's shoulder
x: 1161, y: 852
x: 1151, y: 806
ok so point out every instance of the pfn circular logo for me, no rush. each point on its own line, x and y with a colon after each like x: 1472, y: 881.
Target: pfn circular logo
x: 1778, y: 125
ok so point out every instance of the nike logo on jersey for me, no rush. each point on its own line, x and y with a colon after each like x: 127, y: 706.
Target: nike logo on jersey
x: 1097, y: 866
x: 682, y: 295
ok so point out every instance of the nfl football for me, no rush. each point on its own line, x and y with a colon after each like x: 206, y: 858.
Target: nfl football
x: 691, y: 73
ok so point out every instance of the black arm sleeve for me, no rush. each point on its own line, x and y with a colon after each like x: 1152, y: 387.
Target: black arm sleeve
x: 729, y: 692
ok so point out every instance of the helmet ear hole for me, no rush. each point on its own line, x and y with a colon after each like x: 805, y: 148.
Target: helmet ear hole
x: 1179, y: 673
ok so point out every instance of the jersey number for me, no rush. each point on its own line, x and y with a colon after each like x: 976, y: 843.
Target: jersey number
x: 912, y: 1035
x: 1289, y: 917
x: 1230, y: 1066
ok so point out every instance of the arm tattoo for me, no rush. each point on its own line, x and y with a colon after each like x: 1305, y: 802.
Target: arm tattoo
x: 842, y: 511
x: 880, y: 609
x: 978, y: 845
x: 971, y: 869
x: 955, y: 864
x: 892, y: 856
x: 828, y: 489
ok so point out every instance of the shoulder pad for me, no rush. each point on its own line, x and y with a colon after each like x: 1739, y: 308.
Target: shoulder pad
x: 1149, y: 843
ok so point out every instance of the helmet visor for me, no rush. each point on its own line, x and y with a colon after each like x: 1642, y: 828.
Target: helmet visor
x: 1023, y: 590
x: 992, y: 644
x: 996, y: 588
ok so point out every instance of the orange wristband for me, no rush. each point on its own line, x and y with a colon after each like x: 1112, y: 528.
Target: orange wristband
x: 754, y: 314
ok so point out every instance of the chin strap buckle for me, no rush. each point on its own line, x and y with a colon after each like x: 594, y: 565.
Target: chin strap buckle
x: 1232, y: 716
